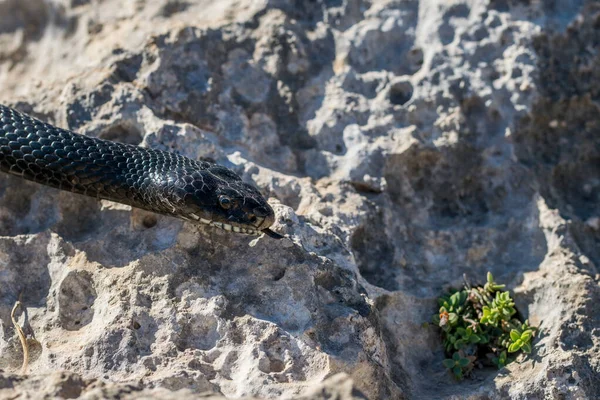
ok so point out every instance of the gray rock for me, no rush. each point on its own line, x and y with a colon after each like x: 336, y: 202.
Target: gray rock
x: 403, y: 144
x: 65, y: 385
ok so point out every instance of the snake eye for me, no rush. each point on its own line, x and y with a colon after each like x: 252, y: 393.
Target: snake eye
x: 225, y: 202
x: 252, y: 218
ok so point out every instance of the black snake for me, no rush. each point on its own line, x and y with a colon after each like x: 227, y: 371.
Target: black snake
x: 154, y: 180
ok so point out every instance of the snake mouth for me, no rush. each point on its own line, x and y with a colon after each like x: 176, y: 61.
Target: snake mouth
x: 262, y: 219
x: 226, y: 226
x: 234, y: 228
x: 263, y: 227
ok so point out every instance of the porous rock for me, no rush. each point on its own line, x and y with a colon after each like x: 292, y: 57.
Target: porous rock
x: 403, y: 144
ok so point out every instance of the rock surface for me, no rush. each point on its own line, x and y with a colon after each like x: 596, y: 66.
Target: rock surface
x: 403, y: 144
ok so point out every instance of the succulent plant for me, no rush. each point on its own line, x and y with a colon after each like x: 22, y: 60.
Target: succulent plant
x: 478, y: 324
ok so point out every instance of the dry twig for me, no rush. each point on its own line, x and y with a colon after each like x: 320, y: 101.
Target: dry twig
x: 22, y: 337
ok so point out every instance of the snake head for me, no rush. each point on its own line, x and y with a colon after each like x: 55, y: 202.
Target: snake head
x: 216, y: 196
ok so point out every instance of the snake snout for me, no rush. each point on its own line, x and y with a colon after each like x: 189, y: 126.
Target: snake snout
x: 265, y: 216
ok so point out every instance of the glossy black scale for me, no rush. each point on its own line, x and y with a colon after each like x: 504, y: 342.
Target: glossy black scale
x: 154, y: 180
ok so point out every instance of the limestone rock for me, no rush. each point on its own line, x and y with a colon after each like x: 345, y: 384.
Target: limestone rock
x: 402, y: 143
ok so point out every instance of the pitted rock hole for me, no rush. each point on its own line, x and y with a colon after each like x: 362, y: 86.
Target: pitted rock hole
x: 24, y: 272
x: 22, y: 209
x: 81, y: 217
x: 76, y: 300
x: 390, y: 49
x: 275, y: 352
x: 199, y: 332
x: 366, y: 85
x: 32, y: 15
x: 173, y: 7
x: 401, y: 93
x: 447, y: 28
x: 374, y: 255
x: 415, y: 58
x: 123, y: 133
x: 149, y: 221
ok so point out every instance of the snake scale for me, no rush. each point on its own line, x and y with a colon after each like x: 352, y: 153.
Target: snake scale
x: 159, y: 181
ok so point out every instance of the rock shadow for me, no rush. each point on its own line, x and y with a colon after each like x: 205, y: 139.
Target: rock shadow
x: 447, y: 213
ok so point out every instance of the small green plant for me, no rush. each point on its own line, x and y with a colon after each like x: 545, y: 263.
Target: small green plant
x: 520, y: 338
x: 501, y: 360
x: 457, y: 364
x: 479, y: 327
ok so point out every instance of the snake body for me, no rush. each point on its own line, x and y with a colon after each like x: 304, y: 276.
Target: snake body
x: 154, y: 180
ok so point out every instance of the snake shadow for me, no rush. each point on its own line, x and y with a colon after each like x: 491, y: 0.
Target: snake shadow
x: 114, y: 235
x: 110, y: 234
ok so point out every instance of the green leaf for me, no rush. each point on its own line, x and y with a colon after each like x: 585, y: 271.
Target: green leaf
x: 513, y: 347
x: 456, y: 357
x: 514, y: 335
x: 461, y: 331
x: 448, y: 363
x: 452, y: 318
x: 526, y: 336
x: 490, y: 277
x: 464, y: 362
x: 526, y: 348
x: 455, y: 299
x: 502, y: 356
x: 457, y: 371
x: 500, y: 361
x: 475, y: 339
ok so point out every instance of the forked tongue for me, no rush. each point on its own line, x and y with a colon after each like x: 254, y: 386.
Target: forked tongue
x: 267, y: 232
x: 272, y: 234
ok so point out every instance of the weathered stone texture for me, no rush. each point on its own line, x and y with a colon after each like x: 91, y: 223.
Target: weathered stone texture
x: 403, y: 144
